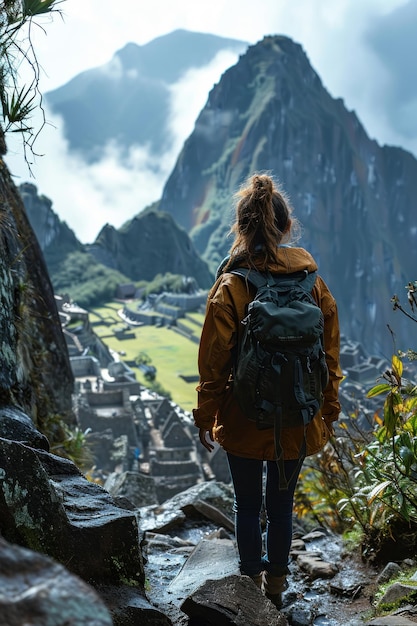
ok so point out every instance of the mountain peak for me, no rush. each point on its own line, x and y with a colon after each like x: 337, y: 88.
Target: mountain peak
x: 95, y: 115
x: 270, y: 112
x: 169, y: 56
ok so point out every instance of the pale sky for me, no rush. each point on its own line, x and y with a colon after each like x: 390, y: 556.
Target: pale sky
x: 363, y: 51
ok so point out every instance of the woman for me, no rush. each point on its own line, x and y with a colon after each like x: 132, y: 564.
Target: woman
x: 262, y: 229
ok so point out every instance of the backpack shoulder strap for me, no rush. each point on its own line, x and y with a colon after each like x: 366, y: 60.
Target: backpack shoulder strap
x: 257, y: 279
x: 221, y: 267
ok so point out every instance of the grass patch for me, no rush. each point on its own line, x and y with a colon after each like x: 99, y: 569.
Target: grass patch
x: 352, y: 539
x: 172, y: 354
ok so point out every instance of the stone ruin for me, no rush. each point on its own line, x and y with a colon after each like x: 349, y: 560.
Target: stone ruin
x: 131, y: 429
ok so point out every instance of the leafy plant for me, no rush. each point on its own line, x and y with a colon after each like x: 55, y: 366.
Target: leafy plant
x: 367, y: 480
x: 412, y: 301
x: 156, y: 386
x: 326, y: 490
x: 75, y: 446
x: 19, y: 101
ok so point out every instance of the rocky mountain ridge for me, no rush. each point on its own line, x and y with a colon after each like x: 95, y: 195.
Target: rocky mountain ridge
x: 151, y: 243
x: 354, y: 198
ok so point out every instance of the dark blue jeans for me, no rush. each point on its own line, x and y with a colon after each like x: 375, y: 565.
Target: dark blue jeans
x: 247, y: 477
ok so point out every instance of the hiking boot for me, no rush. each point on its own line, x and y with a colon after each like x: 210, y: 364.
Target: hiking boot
x: 273, y: 587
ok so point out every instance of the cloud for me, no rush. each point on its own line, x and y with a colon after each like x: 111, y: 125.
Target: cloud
x: 392, y: 38
x: 363, y: 52
x: 189, y: 95
x: 89, y: 196
x: 117, y: 187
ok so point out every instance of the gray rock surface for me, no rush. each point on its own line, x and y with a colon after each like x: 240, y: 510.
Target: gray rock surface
x: 136, y: 487
x: 390, y: 570
x: 211, y: 559
x: 17, y: 426
x: 397, y: 591
x: 36, y: 590
x: 47, y: 505
x: 315, y: 567
x: 392, y: 620
x: 39, y: 492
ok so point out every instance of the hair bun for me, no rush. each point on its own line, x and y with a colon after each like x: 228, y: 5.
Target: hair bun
x: 262, y: 185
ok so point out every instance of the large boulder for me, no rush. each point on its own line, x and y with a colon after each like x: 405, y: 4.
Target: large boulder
x: 47, y: 505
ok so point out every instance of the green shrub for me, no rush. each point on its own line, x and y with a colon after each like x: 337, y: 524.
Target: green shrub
x: 174, y: 283
x: 367, y: 481
x: 328, y: 479
x: 88, y: 282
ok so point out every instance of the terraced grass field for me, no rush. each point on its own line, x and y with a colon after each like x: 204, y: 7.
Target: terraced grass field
x: 172, y: 354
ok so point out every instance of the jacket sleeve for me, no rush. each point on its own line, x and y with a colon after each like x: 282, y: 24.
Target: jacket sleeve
x: 218, y: 338
x: 331, y: 408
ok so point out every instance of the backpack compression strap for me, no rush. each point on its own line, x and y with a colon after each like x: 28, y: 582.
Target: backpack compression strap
x: 283, y: 481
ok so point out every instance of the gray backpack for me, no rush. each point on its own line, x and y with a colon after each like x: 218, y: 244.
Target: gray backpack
x: 280, y: 371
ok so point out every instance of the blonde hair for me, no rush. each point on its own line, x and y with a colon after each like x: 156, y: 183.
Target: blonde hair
x: 263, y: 220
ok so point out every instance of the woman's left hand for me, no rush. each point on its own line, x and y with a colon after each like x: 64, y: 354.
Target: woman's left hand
x: 203, y: 432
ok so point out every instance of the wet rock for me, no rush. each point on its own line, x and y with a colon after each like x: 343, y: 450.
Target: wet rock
x: 349, y: 582
x: 124, y: 503
x: 219, y: 533
x: 232, y: 600
x: 36, y: 590
x: 300, y: 615
x: 211, y: 500
x: 298, y: 545
x: 390, y: 570
x: 315, y: 567
x: 138, y: 488
x: 166, y: 542
x: 130, y: 606
x: 17, y: 426
x: 210, y: 512
x: 29, y: 506
x: 216, y: 494
x: 35, y: 371
x: 65, y: 516
x: 314, y: 534
x: 409, y: 563
x: 156, y: 519
x: 210, y: 559
x: 347, y: 589
x: 57, y: 465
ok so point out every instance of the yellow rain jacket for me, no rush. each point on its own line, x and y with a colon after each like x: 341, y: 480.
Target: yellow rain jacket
x: 218, y: 410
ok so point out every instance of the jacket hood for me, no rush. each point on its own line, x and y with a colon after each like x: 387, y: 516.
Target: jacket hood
x: 293, y: 260
x: 288, y: 260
